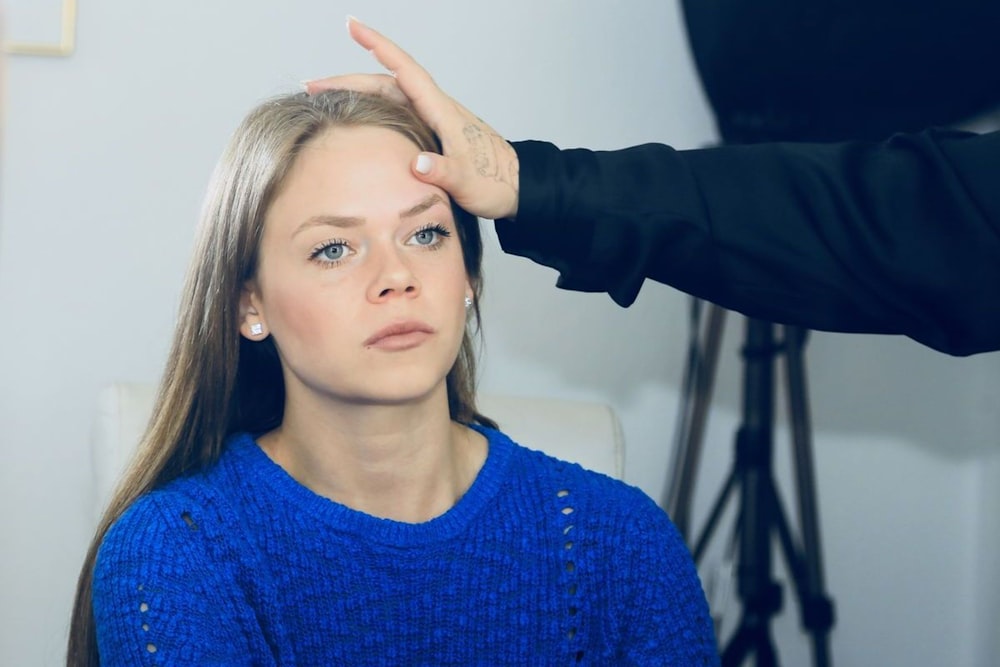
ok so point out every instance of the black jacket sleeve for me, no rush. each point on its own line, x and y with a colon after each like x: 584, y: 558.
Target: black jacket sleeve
x: 900, y: 237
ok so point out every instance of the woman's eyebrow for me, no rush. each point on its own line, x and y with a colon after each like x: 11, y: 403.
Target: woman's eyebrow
x: 346, y: 221
x: 422, y: 206
x: 330, y: 220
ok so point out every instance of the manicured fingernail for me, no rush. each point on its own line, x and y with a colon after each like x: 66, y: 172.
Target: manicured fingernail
x: 352, y: 17
x: 305, y: 84
x: 423, y: 165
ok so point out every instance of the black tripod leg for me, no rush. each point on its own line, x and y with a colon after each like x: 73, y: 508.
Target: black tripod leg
x: 699, y: 381
x: 714, y: 516
x: 816, y: 606
x: 739, y: 646
x: 751, y: 637
x: 759, y: 593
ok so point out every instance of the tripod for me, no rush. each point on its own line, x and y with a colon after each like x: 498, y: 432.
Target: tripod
x: 761, y: 515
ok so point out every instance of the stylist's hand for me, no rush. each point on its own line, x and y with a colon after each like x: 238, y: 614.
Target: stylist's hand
x: 479, y: 169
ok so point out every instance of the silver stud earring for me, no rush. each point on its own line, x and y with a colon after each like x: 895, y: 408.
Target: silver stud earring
x: 257, y: 329
x: 468, y: 302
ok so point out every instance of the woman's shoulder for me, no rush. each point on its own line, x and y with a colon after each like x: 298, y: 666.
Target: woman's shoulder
x: 201, y: 500
x: 159, y: 524
x: 174, y: 561
x: 615, y: 497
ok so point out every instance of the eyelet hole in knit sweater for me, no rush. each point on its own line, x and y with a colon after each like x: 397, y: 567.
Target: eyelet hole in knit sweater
x: 143, y: 609
x: 569, y: 565
x: 189, y: 521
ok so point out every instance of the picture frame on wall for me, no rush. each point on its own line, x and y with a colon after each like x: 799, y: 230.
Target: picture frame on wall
x: 39, y: 27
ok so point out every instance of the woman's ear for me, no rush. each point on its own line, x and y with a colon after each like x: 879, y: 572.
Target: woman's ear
x: 252, y: 324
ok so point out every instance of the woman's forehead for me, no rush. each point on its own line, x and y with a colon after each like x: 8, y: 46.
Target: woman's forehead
x: 356, y: 172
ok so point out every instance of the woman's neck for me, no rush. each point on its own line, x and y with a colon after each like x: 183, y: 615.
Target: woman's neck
x: 408, y: 463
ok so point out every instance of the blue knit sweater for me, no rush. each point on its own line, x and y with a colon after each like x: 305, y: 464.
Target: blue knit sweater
x: 539, y: 563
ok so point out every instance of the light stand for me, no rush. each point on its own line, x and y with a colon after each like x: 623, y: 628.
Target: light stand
x: 761, y: 516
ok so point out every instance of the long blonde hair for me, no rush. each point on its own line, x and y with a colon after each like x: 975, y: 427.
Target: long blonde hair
x: 215, y: 382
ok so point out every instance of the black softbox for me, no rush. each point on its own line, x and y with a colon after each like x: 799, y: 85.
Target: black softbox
x: 818, y: 70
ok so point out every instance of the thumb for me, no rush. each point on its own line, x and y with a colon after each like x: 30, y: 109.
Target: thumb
x: 480, y: 194
x: 434, y: 169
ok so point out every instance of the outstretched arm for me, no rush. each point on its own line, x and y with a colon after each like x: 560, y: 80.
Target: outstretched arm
x: 899, y: 237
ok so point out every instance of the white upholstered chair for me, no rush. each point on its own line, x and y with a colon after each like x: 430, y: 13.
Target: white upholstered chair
x: 580, y: 431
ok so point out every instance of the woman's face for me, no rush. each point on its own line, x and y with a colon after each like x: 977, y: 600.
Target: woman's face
x: 360, y: 280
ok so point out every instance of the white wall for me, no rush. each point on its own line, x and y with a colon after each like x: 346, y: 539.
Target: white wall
x: 107, y: 154
x: 987, y: 572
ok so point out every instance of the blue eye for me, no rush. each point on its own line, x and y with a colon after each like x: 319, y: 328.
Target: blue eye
x: 430, y: 236
x: 331, y: 252
x: 425, y: 237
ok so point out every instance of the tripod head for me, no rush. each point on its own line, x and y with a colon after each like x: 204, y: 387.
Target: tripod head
x: 830, y: 70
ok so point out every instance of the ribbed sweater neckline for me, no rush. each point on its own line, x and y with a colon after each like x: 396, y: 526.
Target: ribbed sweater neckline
x: 255, y: 468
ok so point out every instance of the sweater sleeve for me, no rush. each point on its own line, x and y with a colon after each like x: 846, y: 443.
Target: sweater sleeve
x: 900, y: 237
x: 667, y: 618
x: 158, y: 597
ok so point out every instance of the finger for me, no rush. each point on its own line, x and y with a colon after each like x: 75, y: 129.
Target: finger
x: 415, y: 82
x: 384, y: 49
x: 377, y: 84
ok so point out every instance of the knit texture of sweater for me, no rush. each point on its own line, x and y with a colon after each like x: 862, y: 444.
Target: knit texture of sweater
x: 540, y: 563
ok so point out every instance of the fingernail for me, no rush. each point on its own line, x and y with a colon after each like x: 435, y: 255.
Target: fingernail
x: 352, y: 17
x: 423, y: 165
x: 305, y: 84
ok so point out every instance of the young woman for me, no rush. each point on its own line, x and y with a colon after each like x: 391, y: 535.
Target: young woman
x: 316, y: 486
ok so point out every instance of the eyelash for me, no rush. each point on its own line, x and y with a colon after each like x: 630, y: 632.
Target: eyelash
x: 437, y: 228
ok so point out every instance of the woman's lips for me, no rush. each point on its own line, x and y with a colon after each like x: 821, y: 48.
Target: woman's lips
x: 400, y: 336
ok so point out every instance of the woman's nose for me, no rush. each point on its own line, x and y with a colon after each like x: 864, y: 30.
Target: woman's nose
x: 393, y: 276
